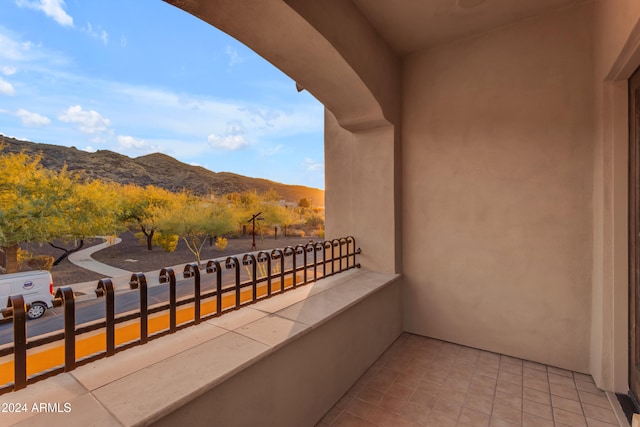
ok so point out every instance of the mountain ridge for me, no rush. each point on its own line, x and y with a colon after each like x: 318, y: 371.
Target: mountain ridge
x: 155, y: 169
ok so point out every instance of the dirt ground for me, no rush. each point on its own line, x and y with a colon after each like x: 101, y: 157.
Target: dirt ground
x: 131, y: 255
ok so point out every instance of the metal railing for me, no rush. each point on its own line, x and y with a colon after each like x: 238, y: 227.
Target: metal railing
x: 267, y: 273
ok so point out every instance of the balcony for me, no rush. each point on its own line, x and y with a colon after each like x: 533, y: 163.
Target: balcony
x: 332, y: 353
x: 421, y: 381
x: 323, y: 335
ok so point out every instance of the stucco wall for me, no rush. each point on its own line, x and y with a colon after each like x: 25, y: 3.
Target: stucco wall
x: 616, y: 56
x: 297, y: 384
x: 360, y: 191
x: 497, y: 177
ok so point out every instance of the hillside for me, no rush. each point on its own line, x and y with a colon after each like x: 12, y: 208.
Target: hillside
x: 155, y: 169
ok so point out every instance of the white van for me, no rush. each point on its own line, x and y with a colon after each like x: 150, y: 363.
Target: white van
x: 35, y: 286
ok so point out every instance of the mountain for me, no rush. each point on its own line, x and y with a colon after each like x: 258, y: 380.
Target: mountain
x: 155, y: 169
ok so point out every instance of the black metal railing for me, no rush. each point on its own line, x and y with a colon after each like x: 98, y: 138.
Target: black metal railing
x: 269, y: 274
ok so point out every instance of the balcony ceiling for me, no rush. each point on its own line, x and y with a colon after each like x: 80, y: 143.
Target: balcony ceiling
x: 411, y: 25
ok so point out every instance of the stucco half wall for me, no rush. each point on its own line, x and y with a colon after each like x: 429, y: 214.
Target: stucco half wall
x: 497, y: 177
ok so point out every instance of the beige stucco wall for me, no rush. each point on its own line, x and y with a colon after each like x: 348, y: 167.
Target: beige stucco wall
x: 497, y: 176
x: 360, y: 191
x: 297, y: 384
x: 616, y: 56
x: 514, y: 168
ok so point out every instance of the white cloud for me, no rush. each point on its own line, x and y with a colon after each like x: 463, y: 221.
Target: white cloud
x: 129, y: 143
x: 123, y: 41
x: 229, y: 142
x: 233, y: 138
x: 12, y: 49
x: 32, y: 119
x: 99, y: 33
x: 6, y: 88
x: 271, y: 151
x: 89, y: 121
x: 89, y: 149
x: 234, y: 58
x: 52, y: 8
x: 7, y: 70
x: 264, y: 115
x: 311, y: 165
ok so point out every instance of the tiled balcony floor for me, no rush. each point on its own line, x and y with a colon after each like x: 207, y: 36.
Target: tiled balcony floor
x: 421, y: 381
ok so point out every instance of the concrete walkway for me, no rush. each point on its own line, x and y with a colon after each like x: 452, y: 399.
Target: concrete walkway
x: 82, y: 258
x: 119, y: 277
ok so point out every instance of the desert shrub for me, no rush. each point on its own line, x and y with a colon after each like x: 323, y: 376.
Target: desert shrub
x: 23, y: 256
x: 221, y: 243
x: 318, y: 233
x: 40, y: 262
x: 234, y: 234
x: 294, y: 232
x: 168, y: 242
x: 143, y: 239
x: 314, y: 220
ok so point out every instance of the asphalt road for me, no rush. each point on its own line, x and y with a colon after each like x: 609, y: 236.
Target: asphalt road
x: 94, y: 309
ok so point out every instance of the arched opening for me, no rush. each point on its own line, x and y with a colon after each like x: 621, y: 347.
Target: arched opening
x: 357, y: 78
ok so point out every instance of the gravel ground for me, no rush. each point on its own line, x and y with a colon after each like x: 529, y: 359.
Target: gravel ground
x: 131, y: 255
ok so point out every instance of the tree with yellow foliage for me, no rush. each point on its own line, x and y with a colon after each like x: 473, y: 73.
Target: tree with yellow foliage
x: 40, y: 205
x: 142, y: 206
x: 195, y: 221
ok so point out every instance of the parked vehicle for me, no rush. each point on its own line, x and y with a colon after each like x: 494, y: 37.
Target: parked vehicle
x: 35, y: 286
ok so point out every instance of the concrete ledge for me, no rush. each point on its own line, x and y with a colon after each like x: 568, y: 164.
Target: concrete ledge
x: 284, y: 361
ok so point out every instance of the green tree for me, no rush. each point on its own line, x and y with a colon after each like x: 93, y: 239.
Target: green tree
x: 40, y: 205
x: 276, y: 214
x: 195, y: 221
x: 141, y: 207
x: 91, y: 208
x: 18, y: 174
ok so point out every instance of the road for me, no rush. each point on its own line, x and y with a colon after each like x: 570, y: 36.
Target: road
x: 94, y: 309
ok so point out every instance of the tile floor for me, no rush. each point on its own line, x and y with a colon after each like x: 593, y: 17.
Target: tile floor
x: 421, y: 381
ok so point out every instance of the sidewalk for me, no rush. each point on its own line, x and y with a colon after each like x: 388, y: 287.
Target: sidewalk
x: 119, y: 277
x: 82, y: 258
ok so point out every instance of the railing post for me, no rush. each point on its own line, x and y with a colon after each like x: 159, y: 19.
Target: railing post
x: 289, y: 251
x: 232, y: 262
x: 309, y: 247
x: 342, y: 241
x: 193, y: 270
x: 139, y: 281
x: 167, y: 275
x: 64, y: 296
x: 356, y: 251
x: 325, y: 246
x: 316, y: 247
x: 213, y: 266
x: 262, y: 257
x: 17, y: 310
x: 300, y: 250
x: 105, y: 286
x: 351, y: 240
x: 334, y: 244
x: 250, y: 259
x: 279, y: 254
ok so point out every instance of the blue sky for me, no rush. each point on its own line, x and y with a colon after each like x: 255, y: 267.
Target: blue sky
x: 141, y: 76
